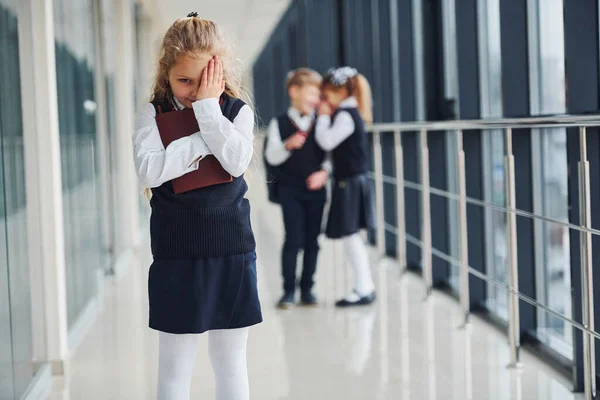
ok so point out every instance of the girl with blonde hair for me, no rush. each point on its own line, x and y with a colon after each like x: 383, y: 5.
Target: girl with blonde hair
x: 203, y: 274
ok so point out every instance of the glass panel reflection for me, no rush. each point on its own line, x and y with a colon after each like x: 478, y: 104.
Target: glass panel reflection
x: 16, y: 345
x: 75, y: 59
x: 490, y: 62
x: 551, y: 175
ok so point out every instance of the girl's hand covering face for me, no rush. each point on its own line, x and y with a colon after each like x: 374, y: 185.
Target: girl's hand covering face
x: 212, y: 84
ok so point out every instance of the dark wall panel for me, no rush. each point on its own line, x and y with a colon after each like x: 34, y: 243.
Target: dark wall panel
x: 434, y: 61
x: 412, y: 197
x: 439, y: 205
x: 468, y: 59
x: 406, y: 56
x: 475, y: 215
x: 581, y: 59
x: 306, y: 36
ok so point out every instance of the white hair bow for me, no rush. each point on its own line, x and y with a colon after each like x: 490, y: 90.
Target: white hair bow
x: 339, y: 76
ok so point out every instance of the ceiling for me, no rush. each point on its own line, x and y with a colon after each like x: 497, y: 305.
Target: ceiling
x: 247, y: 22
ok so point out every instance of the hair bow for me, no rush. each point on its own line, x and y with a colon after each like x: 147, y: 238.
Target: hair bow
x: 339, y: 76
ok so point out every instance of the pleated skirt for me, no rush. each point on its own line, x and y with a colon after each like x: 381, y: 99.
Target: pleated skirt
x: 352, y: 207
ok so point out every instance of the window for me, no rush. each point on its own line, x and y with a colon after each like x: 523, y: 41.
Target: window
x: 85, y: 252
x: 451, y: 91
x: 493, y: 152
x: 547, y: 80
x: 16, y: 331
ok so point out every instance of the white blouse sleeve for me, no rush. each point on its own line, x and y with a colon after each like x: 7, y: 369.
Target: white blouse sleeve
x: 231, y: 143
x: 275, y: 153
x: 330, y: 136
x: 156, y: 165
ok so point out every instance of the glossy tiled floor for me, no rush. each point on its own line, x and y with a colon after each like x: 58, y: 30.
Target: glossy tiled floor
x: 401, y: 348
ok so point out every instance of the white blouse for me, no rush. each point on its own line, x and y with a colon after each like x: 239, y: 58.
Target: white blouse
x: 275, y: 152
x: 329, y: 136
x: 231, y: 143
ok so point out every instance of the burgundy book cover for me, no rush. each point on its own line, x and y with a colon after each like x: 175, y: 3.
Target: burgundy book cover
x: 177, y: 124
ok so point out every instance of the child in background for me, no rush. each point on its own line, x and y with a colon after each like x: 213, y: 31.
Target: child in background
x: 300, y: 174
x: 345, y: 108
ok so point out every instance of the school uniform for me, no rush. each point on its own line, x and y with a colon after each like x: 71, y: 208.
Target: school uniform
x: 352, y: 203
x: 352, y: 206
x: 203, y: 276
x: 302, y: 208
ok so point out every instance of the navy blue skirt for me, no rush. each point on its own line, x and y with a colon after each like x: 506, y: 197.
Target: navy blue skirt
x: 352, y: 207
x: 195, y: 296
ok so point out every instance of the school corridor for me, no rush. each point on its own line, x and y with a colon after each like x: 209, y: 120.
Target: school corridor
x: 402, y: 347
x: 483, y: 160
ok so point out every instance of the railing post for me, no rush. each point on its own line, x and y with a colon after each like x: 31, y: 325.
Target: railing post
x: 587, y: 283
x: 400, y: 223
x: 513, y: 300
x: 462, y: 221
x: 426, y: 215
x: 379, y: 193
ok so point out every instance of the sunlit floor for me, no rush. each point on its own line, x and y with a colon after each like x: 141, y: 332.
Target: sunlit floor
x: 401, y: 348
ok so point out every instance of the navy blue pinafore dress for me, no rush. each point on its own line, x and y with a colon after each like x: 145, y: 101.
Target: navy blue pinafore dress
x: 352, y: 202
x: 203, y: 276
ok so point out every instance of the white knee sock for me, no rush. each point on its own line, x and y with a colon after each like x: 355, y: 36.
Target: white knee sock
x: 357, y: 256
x: 176, y: 357
x: 227, y: 350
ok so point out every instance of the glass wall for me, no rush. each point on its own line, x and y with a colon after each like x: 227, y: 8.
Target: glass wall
x: 140, y: 89
x: 451, y: 92
x: 16, y: 352
x: 490, y: 83
x: 108, y: 57
x: 520, y: 53
x: 547, y: 76
x: 85, y: 252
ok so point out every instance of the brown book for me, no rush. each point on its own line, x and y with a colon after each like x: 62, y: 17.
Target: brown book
x: 177, y: 124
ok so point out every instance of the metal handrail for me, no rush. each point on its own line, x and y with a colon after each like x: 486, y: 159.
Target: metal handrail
x: 560, y: 121
x: 507, y: 125
x: 486, y: 204
x: 451, y: 260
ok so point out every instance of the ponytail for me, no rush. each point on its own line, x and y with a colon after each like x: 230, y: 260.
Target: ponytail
x: 362, y: 92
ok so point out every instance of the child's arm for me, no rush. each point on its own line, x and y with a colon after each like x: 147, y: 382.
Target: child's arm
x: 275, y: 153
x: 318, y: 179
x: 230, y: 143
x: 156, y: 165
x: 328, y: 135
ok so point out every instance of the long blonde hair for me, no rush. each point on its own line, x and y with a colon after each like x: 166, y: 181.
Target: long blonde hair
x: 356, y: 85
x: 192, y: 36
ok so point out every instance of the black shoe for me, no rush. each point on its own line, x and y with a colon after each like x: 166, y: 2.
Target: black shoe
x: 286, y: 301
x: 308, y: 299
x: 362, y: 301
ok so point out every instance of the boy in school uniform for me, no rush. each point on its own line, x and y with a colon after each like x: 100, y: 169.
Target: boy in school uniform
x: 300, y: 174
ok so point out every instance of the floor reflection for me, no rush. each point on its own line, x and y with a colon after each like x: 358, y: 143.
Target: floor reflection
x: 401, y: 348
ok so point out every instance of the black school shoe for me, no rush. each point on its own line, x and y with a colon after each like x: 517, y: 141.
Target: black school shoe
x: 287, y: 301
x: 308, y: 299
x: 362, y: 301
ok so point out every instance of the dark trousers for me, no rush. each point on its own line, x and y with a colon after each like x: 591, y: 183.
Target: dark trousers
x: 302, y: 216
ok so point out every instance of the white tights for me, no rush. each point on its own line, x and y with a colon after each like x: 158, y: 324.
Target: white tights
x: 357, y: 256
x: 227, y: 351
